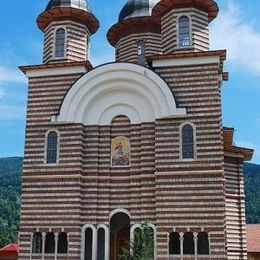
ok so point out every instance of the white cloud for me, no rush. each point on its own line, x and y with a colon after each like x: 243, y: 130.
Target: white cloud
x: 240, y: 39
x: 11, y: 75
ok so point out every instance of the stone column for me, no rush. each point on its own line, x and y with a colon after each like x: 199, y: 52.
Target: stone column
x: 107, y: 244
x: 209, y: 246
x: 196, y: 245
x: 43, y: 244
x: 68, y: 240
x: 31, y: 245
x: 56, y: 246
x: 181, y: 244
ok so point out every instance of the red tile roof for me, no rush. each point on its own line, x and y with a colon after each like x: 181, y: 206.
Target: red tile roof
x: 10, y: 248
x: 253, y: 238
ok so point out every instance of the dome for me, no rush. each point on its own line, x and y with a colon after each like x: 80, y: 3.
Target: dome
x: 137, y: 8
x: 77, y: 10
x: 79, y: 4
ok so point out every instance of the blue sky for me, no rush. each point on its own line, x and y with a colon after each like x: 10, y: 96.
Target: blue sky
x: 237, y: 29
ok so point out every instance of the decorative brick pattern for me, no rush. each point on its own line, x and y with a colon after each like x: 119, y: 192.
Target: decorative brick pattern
x: 126, y: 48
x: 174, y: 194
x: 199, y: 30
x: 76, y: 47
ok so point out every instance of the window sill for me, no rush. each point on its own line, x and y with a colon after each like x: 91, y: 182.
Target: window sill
x: 186, y: 48
x: 50, y: 164
x: 188, y: 160
x: 59, y: 58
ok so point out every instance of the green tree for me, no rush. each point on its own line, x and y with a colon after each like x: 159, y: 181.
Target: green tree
x: 142, y: 246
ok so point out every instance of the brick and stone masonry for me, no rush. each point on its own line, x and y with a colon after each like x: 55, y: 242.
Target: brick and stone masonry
x: 98, y: 203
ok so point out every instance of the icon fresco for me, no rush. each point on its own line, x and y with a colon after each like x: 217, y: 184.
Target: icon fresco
x: 120, y: 151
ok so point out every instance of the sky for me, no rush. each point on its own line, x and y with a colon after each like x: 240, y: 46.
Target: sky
x: 236, y: 29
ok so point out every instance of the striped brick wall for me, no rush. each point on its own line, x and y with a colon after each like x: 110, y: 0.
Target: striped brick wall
x: 50, y: 193
x: 83, y: 188
x: 235, y: 209
x: 199, y: 30
x: 130, y: 187
x: 190, y: 194
x: 76, y: 41
x: 126, y: 48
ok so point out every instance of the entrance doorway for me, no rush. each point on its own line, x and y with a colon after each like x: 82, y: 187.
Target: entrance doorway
x: 119, y: 234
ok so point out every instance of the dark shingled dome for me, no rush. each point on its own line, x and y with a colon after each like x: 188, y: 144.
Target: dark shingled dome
x: 79, y: 4
x: 137, y: 8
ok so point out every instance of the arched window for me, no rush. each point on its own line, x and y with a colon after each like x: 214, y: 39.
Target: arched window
x: 141, y: 52
x: 101, y: 244
x: 37, y: 243
x: 174, y: 244
x: 203, y: 243
x: 188, y: 244
x: 52, y: 147
x: 184, y: 31
x: 88, y: 243
x: 50, y: 243
x: 62, y: 243
x: 187, y: 142
x: 60, y: 43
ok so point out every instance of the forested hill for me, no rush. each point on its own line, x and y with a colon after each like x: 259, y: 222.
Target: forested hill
x: 252, y: 190
x: 10, y: 183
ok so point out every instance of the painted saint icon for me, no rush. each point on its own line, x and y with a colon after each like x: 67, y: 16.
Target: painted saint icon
x: 120, y: 151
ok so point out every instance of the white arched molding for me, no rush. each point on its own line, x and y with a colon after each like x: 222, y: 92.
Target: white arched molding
x: 132, y: 230
x: 194, y: 140
x: 115, y: 211
x: 107, y: 239
x: 94, y: 241
x: 46, y: 146
x: 118, y: 89
x: 177, y: 30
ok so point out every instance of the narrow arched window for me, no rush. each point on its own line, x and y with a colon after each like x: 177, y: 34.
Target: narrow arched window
x: 50, y: 243
x: 187, y: 142
x: 203, y: 243
x: 141, y: 52
x: 37, y: 243
x: 174, y: 244
x: 188, y: 244
x: 88, y: 244
x: 52, y: 147
x: 184, y: 31
x: 101, y: 244
x: 62, y: 243
x: 87, y: 46
x: 60, y: 43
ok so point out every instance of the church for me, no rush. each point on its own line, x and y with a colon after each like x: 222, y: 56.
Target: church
x: 137, y: 139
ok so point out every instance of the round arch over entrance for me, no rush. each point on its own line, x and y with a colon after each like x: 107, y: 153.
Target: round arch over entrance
x: 119, y: 233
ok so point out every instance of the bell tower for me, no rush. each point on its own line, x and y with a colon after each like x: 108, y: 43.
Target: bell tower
x: 185, y: 24
x: 137, y: 33
x: 67, y: 27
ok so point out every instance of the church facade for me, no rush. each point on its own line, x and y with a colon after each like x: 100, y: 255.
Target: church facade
x: 138, y: 139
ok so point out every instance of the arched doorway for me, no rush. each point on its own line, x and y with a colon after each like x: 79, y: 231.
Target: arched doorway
x: 119, y: 234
